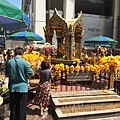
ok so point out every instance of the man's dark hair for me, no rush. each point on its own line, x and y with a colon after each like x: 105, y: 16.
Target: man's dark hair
x: 18, y: 51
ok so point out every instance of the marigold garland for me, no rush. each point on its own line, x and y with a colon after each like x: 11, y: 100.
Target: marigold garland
x: 34, y: 58
x: 102, y: 64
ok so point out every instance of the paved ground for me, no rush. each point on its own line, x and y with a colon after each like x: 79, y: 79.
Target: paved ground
x: 112, y: 118
x: 33, y: 110
x: 32, y: 114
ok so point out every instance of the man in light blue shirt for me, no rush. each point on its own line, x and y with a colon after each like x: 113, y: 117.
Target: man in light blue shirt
x: 18, y: 70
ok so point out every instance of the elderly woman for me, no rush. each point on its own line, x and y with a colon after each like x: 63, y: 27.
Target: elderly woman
x: 43, y: 90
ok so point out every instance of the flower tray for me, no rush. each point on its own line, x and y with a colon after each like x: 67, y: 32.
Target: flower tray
x: 34, y: 82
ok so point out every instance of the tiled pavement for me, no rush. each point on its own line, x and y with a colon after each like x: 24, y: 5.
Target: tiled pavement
x: 32, y: 114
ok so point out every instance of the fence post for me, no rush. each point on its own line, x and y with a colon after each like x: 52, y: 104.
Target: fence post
x: 111, y: 84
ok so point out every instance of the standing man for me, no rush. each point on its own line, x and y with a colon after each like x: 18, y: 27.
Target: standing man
x: 18, y: 70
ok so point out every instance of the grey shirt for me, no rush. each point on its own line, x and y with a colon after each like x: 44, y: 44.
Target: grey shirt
x: 45, y: 75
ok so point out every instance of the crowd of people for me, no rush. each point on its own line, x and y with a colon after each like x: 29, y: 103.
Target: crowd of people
x: 5, y: 55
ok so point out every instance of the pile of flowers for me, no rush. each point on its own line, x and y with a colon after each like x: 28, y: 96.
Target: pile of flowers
x: 103, y: 64
x: 34, y: 58
x: 56, y: 69
x: 48, y: 49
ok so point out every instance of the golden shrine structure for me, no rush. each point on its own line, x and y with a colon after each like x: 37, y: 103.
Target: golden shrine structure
x: 67, y: 33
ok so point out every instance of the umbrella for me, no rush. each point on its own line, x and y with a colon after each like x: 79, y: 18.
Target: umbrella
x: 41, y: 42
x: 31, y: 36
x: 11, y: 17
x: 97, y: 45
x: 101, y: 40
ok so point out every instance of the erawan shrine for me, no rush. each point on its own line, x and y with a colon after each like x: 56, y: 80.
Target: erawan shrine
x: 67, y: 32
x: 85, y: 85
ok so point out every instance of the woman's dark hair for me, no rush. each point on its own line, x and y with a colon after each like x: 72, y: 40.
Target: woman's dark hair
x: 0, y: 51
x: 18, y: 51
x: 45, y: 65
x: 9, y: 52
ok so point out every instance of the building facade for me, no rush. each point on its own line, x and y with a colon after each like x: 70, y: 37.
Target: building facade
x: 100, y: 17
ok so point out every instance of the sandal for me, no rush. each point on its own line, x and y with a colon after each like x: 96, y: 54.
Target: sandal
x: 40, y: 115
x: 45, y: 110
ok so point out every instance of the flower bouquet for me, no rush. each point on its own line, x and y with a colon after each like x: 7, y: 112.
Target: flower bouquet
x: 48, y: 49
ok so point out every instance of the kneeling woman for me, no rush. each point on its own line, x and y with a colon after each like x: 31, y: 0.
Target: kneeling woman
x: 43, y: 90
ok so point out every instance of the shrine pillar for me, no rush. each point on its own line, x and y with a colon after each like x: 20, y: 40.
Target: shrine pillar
x: 71, y: 37
x: 77, y: 47
x: 80, y: 47
x: 60, y: 49
x: 67, y: 47
x: 78, y: 42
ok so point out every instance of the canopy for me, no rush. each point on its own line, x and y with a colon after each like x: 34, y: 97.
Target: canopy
x: 101, y: 40
x: 11, y: 17
x: 41, y: 42
x: 31, y: 36
x: 97, y: 45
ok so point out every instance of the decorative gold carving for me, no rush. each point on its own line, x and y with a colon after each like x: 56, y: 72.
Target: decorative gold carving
x: 78, y: 34
x: 68, y: 31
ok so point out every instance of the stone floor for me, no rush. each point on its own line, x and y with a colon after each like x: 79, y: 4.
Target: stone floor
x: 32, y: 114
x: 33, y: 111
